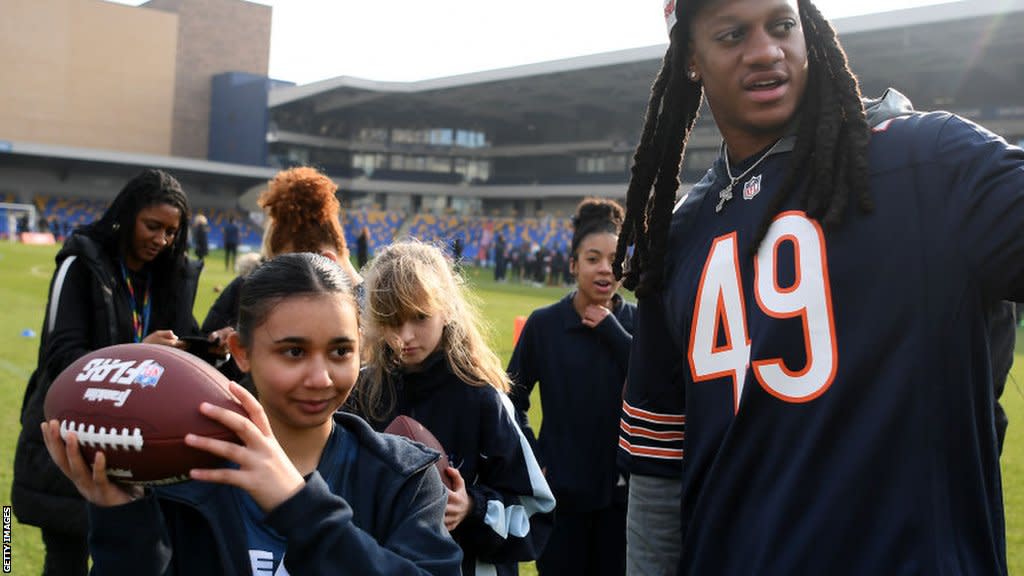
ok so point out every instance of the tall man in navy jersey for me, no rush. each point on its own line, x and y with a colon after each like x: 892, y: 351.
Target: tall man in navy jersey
x: 812, y: 349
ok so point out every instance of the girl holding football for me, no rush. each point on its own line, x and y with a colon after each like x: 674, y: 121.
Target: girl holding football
x: 309, y: 488
x: 427, y: 358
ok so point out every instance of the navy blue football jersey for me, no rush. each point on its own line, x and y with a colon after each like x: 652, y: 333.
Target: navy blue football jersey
x: 835, y: 386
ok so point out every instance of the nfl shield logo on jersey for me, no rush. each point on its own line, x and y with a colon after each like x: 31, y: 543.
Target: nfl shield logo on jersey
x: 752, y: 187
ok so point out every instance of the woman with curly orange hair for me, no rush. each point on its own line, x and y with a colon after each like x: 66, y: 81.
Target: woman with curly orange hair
x: 302, y: 216
x: 302, y: 213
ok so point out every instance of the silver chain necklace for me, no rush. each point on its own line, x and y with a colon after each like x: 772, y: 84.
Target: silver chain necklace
x: 726, y: 193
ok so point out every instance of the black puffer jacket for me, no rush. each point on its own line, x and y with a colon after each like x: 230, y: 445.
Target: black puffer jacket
x: 87, y: 309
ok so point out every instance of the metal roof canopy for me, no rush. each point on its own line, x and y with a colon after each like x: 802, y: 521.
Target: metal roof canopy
x: 66, y: 158
x: 955, y: 55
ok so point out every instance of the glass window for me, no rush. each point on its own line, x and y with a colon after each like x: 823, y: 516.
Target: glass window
x: 439, y: 164
x: 601, y: 164
x: 441, y: 137
x: 373, y: 135
x: 368, y: 162
x: 473, y: 169
x: 298, y: 156
x: 470, y: 139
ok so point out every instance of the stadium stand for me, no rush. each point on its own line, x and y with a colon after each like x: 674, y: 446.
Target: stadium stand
x: 74, y: 212
x: 383, y: 225
x: 478, y: 232
x: 511, y: 141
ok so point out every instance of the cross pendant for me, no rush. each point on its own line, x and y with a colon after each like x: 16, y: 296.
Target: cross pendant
x: 723, y: 197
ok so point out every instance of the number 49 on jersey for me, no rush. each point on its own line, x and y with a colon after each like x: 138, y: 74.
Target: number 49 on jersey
x: 720, y: 309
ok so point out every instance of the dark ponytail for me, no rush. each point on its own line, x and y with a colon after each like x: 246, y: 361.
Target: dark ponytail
x: 595, y: 216
x: 287, y: 275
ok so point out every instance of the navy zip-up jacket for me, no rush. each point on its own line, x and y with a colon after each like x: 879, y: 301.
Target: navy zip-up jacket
x: 512, y: 505
x: 581, y: 372
x: 389, y: 520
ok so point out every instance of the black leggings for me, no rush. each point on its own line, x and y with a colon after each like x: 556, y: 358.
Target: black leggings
x: 67, y: 554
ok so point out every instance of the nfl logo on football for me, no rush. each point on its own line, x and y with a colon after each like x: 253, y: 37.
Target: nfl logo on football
x: 752, y: 187
x: 149, y: 374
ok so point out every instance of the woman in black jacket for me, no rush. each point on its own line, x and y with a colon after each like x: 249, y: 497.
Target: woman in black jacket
x: 124, y: 278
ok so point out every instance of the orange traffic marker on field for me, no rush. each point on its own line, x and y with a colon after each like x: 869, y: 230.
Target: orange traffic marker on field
x: 517, y: 328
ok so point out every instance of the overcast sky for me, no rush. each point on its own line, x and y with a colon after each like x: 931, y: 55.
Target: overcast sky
x: 404, y: 40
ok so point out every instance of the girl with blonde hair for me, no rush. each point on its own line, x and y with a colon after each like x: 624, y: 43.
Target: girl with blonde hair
x: 427, y: 358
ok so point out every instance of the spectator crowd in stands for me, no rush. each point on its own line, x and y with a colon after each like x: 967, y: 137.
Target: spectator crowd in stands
x: 528, y: 250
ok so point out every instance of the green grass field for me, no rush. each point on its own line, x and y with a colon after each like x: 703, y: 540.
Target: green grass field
x: 26, y: 272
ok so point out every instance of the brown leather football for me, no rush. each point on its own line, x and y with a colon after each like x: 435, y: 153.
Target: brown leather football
x: 136, y: 403
x: 410, y: 428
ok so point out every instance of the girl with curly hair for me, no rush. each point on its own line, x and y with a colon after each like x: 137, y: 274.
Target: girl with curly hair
x: 302, y: 215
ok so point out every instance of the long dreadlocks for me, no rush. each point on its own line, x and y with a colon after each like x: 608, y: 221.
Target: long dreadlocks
x: 832, y: 141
